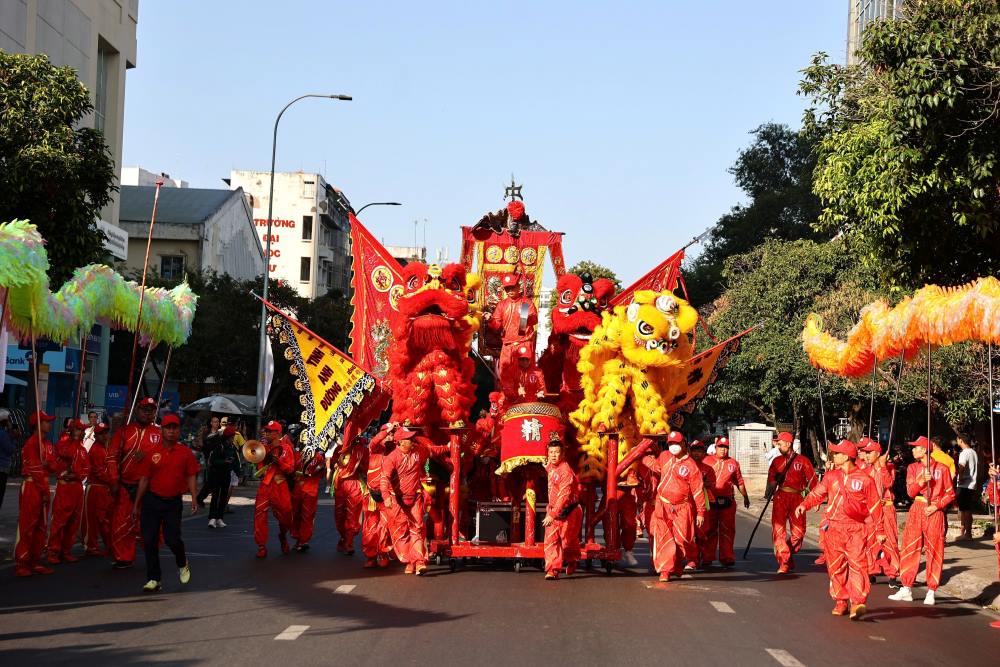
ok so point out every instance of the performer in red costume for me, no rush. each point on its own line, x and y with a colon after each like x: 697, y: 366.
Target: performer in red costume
x: 788, y: 479
x: 67, y: 506
x: 852, y: 501
x: 97, y: 500
x: 375, y: 541
x: 929, y: 484
x: 273, y: 493
x: 679, y: 509
x: 884, y: 557
x: 721, y: 518
x: 696, y: 558
x: 310, y: 468
x: 524, y: 382
x: 129, y: 448
x: 628, y: 517
x: 38, y: 461
x: 515, y: 318
x: 402, y: 472
x: 350, y: 462
x: 563, y: 516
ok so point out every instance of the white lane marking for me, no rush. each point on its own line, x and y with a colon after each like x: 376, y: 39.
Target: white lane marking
x: 784, y: 657
x: 346, y: 588
x: 722, y: 607
x: 292, y: 632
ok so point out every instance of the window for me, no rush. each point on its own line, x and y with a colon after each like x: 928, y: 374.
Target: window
x: 172, y: 267
x: 305, y: 269
x: 104, y: 56
x: 307, y: 228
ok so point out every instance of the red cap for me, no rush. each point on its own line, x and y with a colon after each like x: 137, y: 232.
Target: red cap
x: 403, y: 433
x: 101, y: 428
x: 78, y: 425
x: 869, y: 445
x: 273, y: 426
x: 170, y: 419
x: 510, y: 280
x: 845, y: 447
x: 785, y: 436
x: 676, y: 436
x: 524, y: 352
x: 696, y: 444
x: 722, y: 442
x: 147, y: 403
x: 922, y: 441
x: 229, y: 432
x: 33, y: 417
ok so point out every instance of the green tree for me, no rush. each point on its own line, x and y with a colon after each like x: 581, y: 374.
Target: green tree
x: 909, y: 143
x: 52, y: 171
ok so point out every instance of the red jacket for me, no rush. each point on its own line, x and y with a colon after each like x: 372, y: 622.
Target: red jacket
x: 350, y: 463
x: 33, y: 466
x: 680, y: 481
x: 727, y: 475
x: 884, y: 476
x: 941, y: 491
x: 309, y: 472
x: 376, y: 454
x: 401, y: 473
x: 129, y: 446
x: 506, y: 319
x: 801, y: 474
x: 851, y: 497
x: 282, y: 461
x: 73, y: 464
x: 98, y: 459
x: 564, y: 489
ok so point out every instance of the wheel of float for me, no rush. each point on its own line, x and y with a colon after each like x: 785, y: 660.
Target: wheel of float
x: 608, y: 567
x: 589, y: 565
x: 452, y: 563
x: 438, y: 560
x: 517, y: 565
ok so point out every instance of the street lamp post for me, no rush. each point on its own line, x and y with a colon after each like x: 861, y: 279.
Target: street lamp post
x: 261, y: 366
x: 357, y: 213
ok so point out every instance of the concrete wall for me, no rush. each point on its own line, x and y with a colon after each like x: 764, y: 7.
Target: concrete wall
x: 231, y: 245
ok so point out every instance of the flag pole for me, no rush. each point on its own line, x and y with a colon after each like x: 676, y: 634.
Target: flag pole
x: 142, y: 295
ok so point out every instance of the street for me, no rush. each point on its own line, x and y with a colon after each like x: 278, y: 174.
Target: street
x: 322, y: 607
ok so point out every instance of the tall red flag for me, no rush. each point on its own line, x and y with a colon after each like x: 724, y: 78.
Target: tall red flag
x: 662, y: 278
x: 377, y: 283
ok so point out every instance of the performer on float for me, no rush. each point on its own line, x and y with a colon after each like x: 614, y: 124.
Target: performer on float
x: 853, y: 501
x: 67, y: 506
x: 564, y: 515
x: 375, y: 541
x: 349, y: 462
x: 697, y: 557
x: 721, y: 518
x: 38, y: 461
x: 402, y: 472
x: 882, y: 557
x: 97, y: 500
x: 680, y: 508
x: 789, y: 477
x: 516, y: 320
x: 273, y: 493
x: 129, y: 448
x: 310, y: 467
x: 929, y: 484
x: 525, y: 382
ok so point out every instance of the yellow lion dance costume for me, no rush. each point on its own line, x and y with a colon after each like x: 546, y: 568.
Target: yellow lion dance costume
x: 632, y: 367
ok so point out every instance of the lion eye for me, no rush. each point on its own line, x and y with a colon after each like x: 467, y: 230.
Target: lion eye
x: 566, y: 297
x: 645, y: 328
x: 413, y: 282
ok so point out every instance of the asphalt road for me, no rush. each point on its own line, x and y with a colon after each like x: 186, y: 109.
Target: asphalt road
x: 321, y: 607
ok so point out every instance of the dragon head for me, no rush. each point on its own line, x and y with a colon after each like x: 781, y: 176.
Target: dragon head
x: 579, y: 304
x: 656, y: 328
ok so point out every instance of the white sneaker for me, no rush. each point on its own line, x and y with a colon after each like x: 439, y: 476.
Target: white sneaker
x: 629, y: 558
x: 219, y: 523
x: 904, y: 594
x: 211, y: 523
x: 929, y: 598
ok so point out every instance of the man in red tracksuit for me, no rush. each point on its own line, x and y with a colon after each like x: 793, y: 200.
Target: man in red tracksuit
x: 38, y: 461
x: 97, y: 500
x: 525, y: 380
x: 402, y: 493
x: 852, y: 501
x: 697, y: 557
x: 67, y: 505
x: 350, y: 462
x: 628, y: 515
x: 788, y: 480
x: 375, y: 541
x: 883, y: 557
x: 721, y: 518
x: 929, y: 484
x: 310, y: 467
x: 680, y: 508
x: 506, y: 320
x: 273, y: 493
x: 130, y: 447
x: 563, y: 516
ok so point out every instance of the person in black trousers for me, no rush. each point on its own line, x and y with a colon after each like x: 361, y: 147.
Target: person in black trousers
x: 166, y: 474
x: 7, y: 450
x: 223, y: 460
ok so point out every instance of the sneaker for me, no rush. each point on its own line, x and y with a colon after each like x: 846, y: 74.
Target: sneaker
x: 691, y: 567
x: 665, y: 577
x: 121, y: 564
x: 857, y: 611
x: 820, y: 561
x: 69, y: 558
x: 409, y: 569
x: 211, y: 523
x: 219, y: 523
x: 929, y: 598
x: 151, y: 586
x: 904, y: 594
x: 53, y: 560
x: 185, y: 573
x: 262, y: 552
x: 41, y: 569
x: 893, y: 583
x: 369, y: 563
x: 551, y: 576
x: 284, y: 544
x: 840, y: 608
x: 382, y: 560
x: 23, y: 572
x: 783, y: 569
x: 571, y: 568
x: 421, y: 570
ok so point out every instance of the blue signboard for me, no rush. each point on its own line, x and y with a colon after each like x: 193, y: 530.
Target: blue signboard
x: 114, y: 397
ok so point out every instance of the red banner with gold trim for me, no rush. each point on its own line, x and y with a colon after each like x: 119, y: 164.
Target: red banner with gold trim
x: 663, y: 278
x: 701, y: 371
x: 376, y: 283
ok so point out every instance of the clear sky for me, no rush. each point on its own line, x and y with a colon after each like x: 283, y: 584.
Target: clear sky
x: 619, y: 118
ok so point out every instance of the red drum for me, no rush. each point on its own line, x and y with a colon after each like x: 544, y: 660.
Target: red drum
x: 525, y: 434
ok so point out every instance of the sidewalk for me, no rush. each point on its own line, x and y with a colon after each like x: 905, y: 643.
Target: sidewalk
x: 970, y: 567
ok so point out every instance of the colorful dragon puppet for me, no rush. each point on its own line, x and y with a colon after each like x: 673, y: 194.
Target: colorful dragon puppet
x: 430, y: 371
x: 632, y: 367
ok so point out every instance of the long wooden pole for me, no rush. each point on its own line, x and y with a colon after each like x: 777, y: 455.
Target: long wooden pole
x: 895, y: 402
x: 871, y: 407
x: 79, y: 381
x: 993, y: 445
x: 163, y: 380
x: 142, y: 293
x: 38, y: 397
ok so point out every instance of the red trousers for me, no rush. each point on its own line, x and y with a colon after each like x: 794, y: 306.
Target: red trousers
x: 922, y: 532
x: 67, y: 508
x: 562, y: 541
x: 275, y: 497
x: 786, y: 542
x: 124, y: 530
x: 347, y: 501
x: 673, y: 536
x: 406, y: 527
x: 375, y: 530
x: 720, y: 533
x: 31, y: 524
x: 846, y: 547
x: 97, y: 506
x: 628, y: 520
x: 885, y: 557
x: 304, y: 502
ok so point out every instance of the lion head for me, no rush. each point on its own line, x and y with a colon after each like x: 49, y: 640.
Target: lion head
x: 433, y: 306
x: 579, y: 304
x: 655, y: 329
